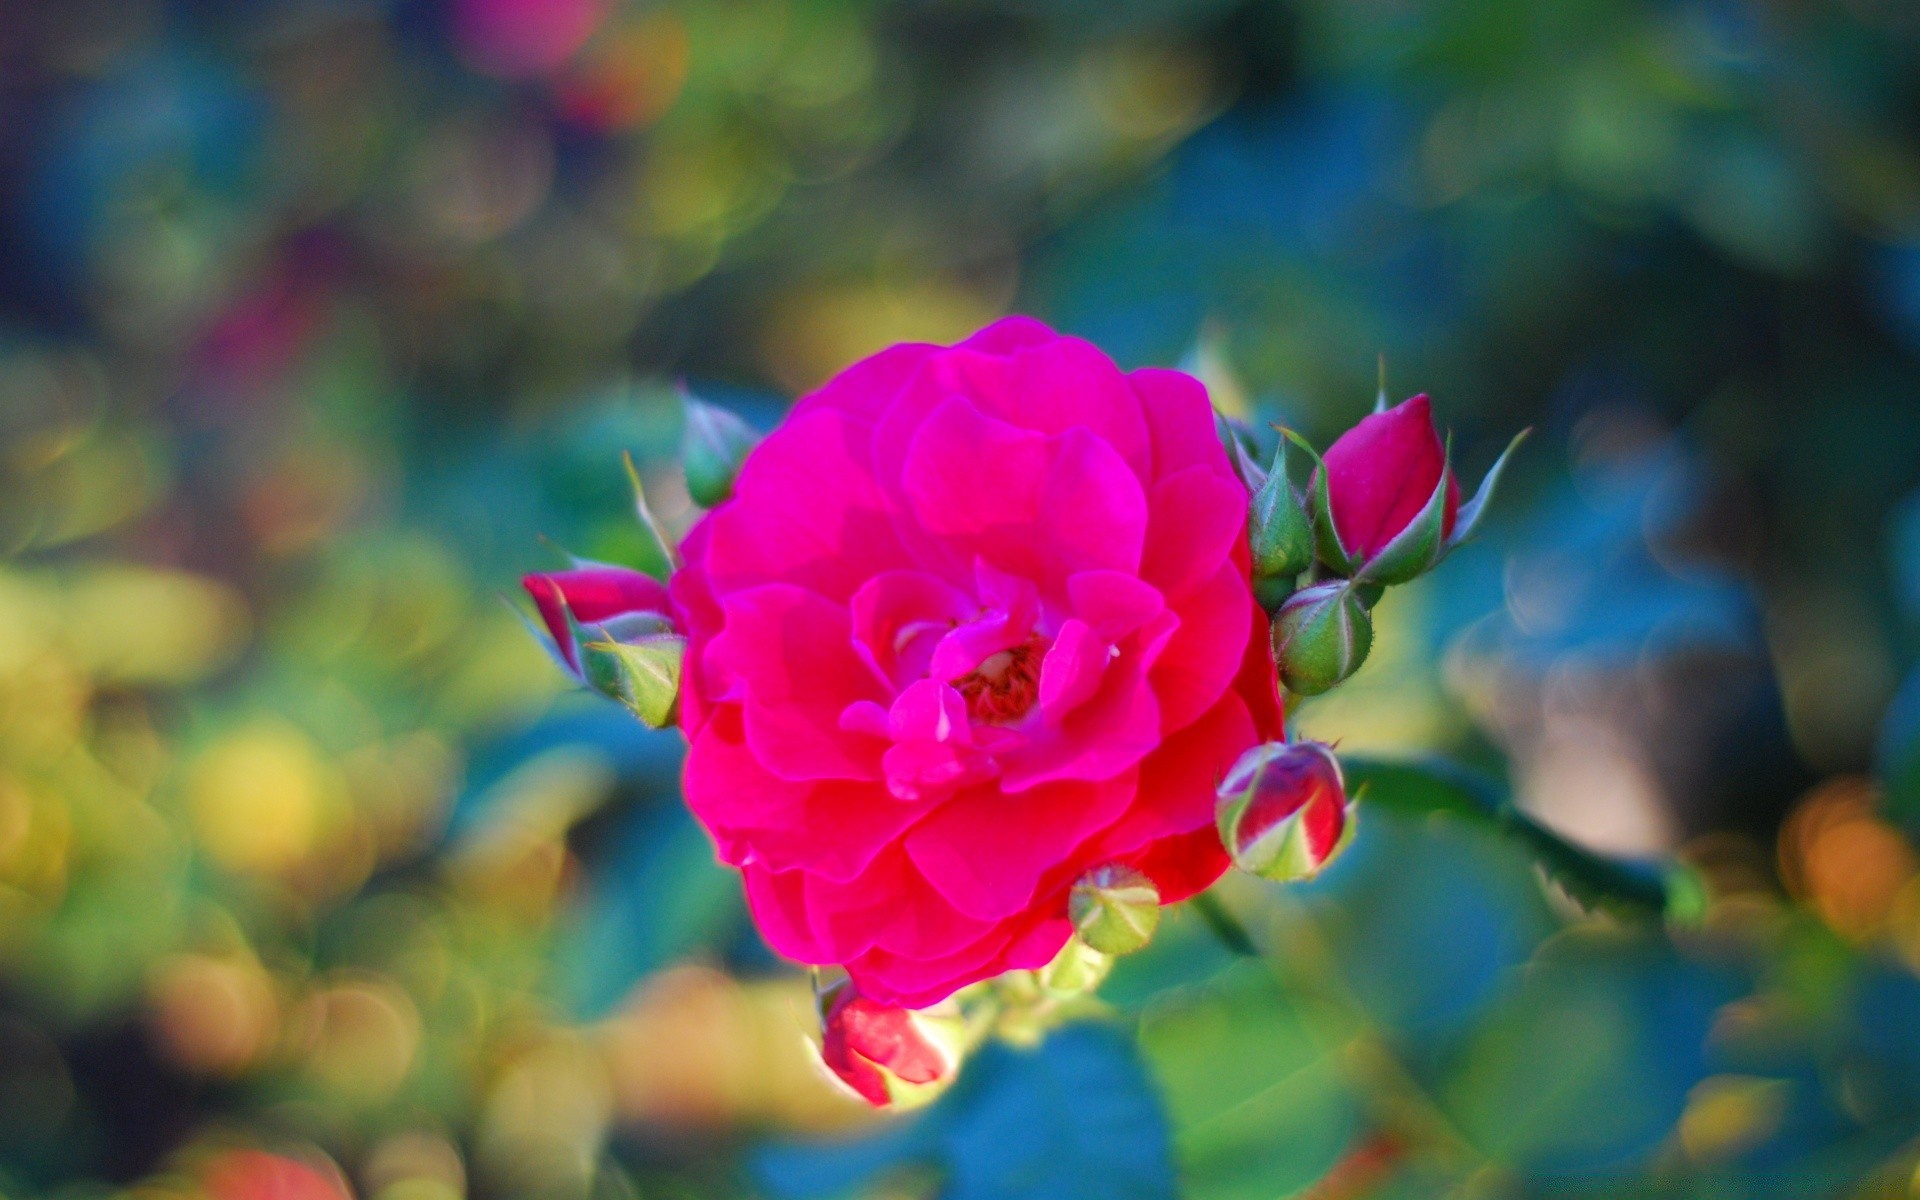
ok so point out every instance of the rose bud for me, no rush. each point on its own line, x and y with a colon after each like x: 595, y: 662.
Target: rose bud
x: 1386, y: 504
x: 1114, y: 909
x: 890, y: 1057
x: 1279, y: 532
x: 1321, y: 635
x: 1390, y: 500
x: 608, y: 627
x: 712, y: 447
x: 1283, y: 810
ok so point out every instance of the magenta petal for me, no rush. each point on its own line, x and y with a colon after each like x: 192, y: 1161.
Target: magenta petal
x: 898, y: 618
x: 1180, y: 421
x: 1113, y: 603
x: 1206, y: 652
x: 757, y: 817
x: 792, y: 652
x: 963, y: 849
x: 1009, y: 334
x: 1198, y: 516
x: 967, y: 473
x: 890, y: 905
x: 1066, y: 383
x: 778, y: 902
x: 1177, y: 781
x: 805, y: 510
x: 1101, y: 738
x: 1093, y: 508
x: 1070, y: 673
x: 866, y: 388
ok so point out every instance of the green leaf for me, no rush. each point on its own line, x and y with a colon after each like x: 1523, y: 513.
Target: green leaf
x: 1254, y: 1087
x: 1424, y: 786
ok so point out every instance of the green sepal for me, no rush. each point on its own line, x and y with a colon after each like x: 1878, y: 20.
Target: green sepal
x: 1270, y: 594
x: 1283, y: 854
x: 1475, y: 510
x: 1321, y: 636
x: 713, y: 444
x: 1420, y: 546
x: 1114, y: 908
x: 1278, y: 527
x: 643, y: 675
x: 1076, y: 971
x: 1326, y: 535
x: 656, y: 533
x: 1236, y: 447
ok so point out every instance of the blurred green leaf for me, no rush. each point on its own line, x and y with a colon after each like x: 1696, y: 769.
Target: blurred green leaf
x: 1255, y: 1088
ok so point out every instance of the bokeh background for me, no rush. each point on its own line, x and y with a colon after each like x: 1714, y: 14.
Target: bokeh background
x: 318, y: 316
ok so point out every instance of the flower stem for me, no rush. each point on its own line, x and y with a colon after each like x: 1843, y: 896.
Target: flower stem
x: 1430, y: 786
x: 1223, y: 924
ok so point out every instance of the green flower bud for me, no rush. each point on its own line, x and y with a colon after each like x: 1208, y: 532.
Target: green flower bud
x: 1114, y: 909
x: 711, y: 449
x: 1278, y: 528
x: 1321, y: 636
x: 1075, y: 971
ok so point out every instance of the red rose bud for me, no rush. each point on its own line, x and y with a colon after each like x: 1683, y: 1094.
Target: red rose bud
x: 1386, y: 504
x: 1283, y: 810
x: 714, y: 444
x: 1321, y: 635
x: 1380, y: 475
x: 615, y: 599
x: 1114, y: 909
x: 888, y: 1056
x: 608, y: 626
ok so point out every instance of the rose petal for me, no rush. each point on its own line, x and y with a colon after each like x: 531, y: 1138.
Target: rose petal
x: 792, y: 652
x: 1205, y: 654
x: 963, y: 849
x: 806, y: 511
x: 1197, y: 518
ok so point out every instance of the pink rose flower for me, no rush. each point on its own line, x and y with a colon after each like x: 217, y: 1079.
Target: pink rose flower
x: 976, y: 620
x: 1382, y: 472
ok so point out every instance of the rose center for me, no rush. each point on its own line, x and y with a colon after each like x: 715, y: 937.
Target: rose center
x: 1005, y: 684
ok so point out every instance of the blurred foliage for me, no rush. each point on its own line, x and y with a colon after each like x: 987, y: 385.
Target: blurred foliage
x: 316, y: 315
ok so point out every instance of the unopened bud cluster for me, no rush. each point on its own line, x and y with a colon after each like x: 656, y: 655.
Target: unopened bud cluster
x: 1381, y: 508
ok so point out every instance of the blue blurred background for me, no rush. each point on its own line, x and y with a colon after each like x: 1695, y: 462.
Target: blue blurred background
x: 316, y: 316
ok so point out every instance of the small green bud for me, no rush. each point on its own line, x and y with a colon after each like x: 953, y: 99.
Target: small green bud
x: 1321, y: 636
x: 1075, y: 971
x: 1279, y: 529
x: 1114, y: 909
x: 712, y: 447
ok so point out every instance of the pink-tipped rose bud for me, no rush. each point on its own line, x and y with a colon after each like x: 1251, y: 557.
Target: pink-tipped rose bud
x: 1381, y: 477
x: 1283, y: 810
x: 888, y: 1056
x: 625, y: 603
x: 609, y: 626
